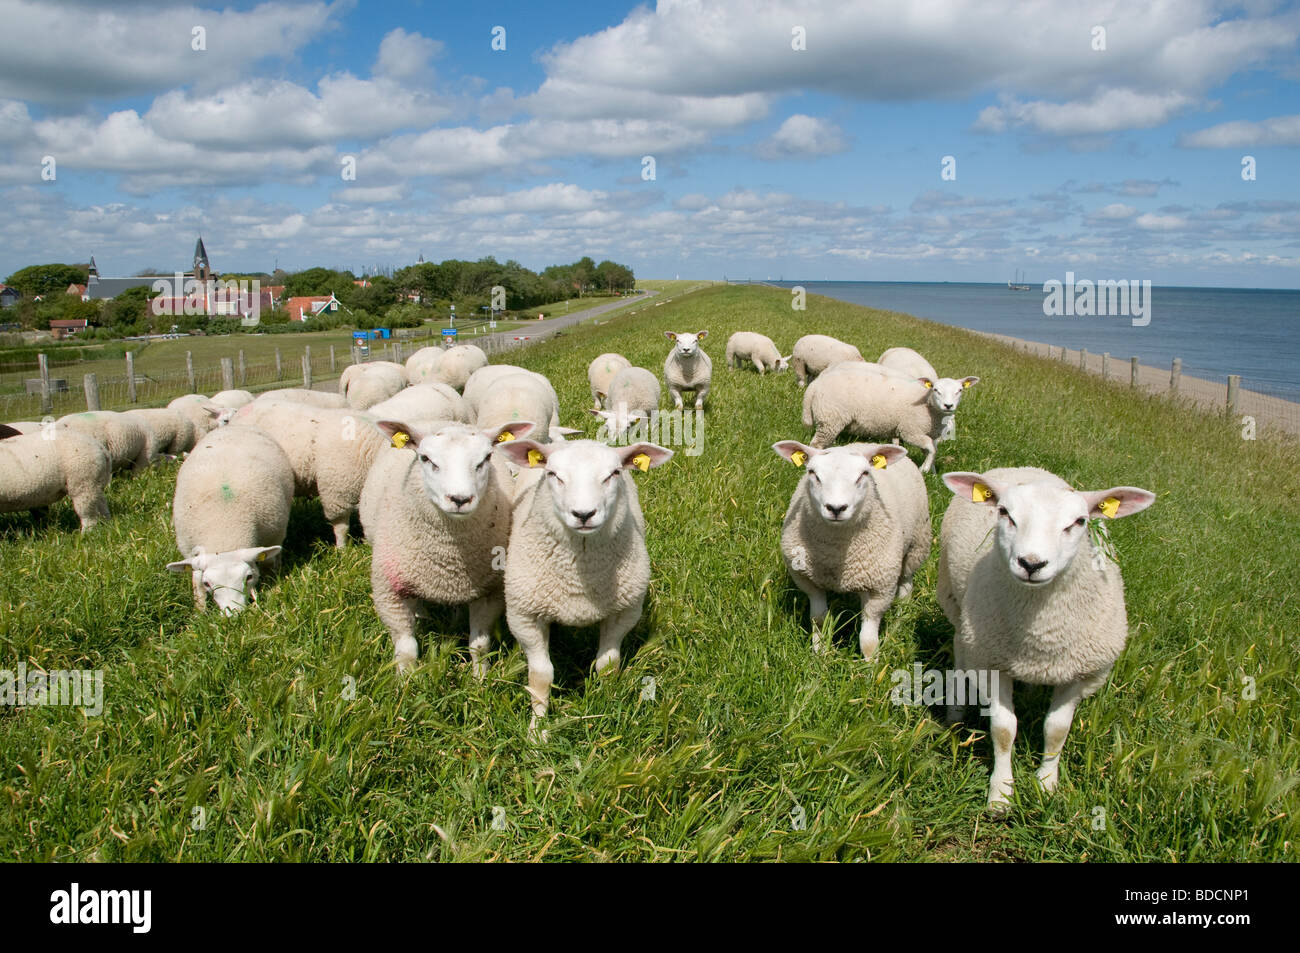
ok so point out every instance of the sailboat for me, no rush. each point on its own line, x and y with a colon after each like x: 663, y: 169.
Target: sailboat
x: 1019, y: 284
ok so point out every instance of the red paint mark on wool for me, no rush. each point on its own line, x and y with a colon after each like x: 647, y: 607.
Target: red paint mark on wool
x: 389, y: 566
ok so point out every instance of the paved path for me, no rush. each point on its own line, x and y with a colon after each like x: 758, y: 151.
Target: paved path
x: 540, y: 330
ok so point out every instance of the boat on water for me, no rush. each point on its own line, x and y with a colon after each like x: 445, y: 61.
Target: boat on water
x: 1019, y: 284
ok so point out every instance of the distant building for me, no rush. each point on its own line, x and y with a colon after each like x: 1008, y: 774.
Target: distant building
x: 67, y: 327
x: 99, y: 288
x: 9, y: 296
x: 305, y: 308
x: 78, y: 290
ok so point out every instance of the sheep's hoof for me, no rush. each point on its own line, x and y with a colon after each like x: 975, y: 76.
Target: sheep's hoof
x: 1047, y: 779
x: 537, y: 735
x: 904, y: 590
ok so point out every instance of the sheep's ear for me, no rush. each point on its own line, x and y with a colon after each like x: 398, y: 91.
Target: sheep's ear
x: 701, y: 335
x: 975, y: 487
x: 929, y: 384
x: 400, y: 433
x: 185, y: 565
x: 212, y: 409
x: 645, y: 456
x: 510, y: 431
x: 882, y: 455
x: 969, y: 382
x: 601, y: 414
x: 1117, y: 501
x: 523, y: 453
x: 794, y: 451
x: 670, y: 336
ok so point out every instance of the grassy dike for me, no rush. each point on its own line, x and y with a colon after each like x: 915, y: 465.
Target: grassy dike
x: 283, y: 734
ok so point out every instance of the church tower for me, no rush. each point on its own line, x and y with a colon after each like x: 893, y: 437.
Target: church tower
x: 202, y: 268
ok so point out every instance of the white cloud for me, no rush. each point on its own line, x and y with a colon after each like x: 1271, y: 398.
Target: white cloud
x: 803, y: 136
x: 1246, y: 134
x: 555, y: 197
x: 1160, y: 223
x: 1116, y: 211
x: 406, y: 56
x: 1110, y: 110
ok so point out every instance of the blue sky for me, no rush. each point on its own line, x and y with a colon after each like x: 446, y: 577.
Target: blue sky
x: 1112, y: 155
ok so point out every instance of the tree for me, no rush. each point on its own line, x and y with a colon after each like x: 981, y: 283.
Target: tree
x: 47, y: 279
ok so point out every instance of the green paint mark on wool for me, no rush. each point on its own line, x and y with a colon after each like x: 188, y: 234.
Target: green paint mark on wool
x: 227, y: 493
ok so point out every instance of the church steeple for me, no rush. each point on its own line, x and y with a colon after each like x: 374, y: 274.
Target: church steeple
x: 93, y: 270
x: 202, y: 267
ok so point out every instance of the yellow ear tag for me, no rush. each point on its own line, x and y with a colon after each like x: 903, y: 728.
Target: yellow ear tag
x: 400, y: 439
x: 798, y: 458
x: 879, y: 461
x: 505, y: 435
x: 641, y: 462
x: 535, y: 457
x: 979, y: 493
x: 928, y: 385
x: 1109, y: 507
x: 261, y: 557
x: 965, y: 384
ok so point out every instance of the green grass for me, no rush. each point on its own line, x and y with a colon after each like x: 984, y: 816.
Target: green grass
x: 252, y: 719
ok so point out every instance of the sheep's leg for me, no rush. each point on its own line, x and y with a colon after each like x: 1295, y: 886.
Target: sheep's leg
x: 800, y: 371
x: 677, y: 396
x: 533, y: 635
x: 701, y: 392
x: 826, y: 434
x: 1060, y: 715
x: 955, y: 713
x: 928, y: 445
x: 397, y: 613
x: 1003, y: 724
x: 612, y: 632
x: 341, y: 532
x: 200, y: 595
x: 90, y: 508
x: 874, y: 607
x: 483, y: 615
x: 816, y: 606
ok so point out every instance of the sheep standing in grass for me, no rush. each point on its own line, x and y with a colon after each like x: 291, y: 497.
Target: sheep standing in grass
x: 600, y: 372
x: 230, y: 511
x: 945, y: 392
x: 814, y: 353
x: 39, y: 469
x: 522, y: 395
x: 330, y: 451
x: 633, y: 395
x: 688, y: 368
x: 126, y: 438
x: 437, y: 514
x: 365, y: 385
x: 169, y: 430
x: 458, y: 363
x: 1030, y: 598
x: 859, y: 522
x: 577, y: 551
x: 421, y: 403
x: 300, y: 395
x: 758, y: 348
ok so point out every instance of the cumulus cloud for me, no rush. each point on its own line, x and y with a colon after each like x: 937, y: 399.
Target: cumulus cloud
x: 1110, y: 110
x: 406, y: 56
x: 1246, y: 134
x: 803, y: 136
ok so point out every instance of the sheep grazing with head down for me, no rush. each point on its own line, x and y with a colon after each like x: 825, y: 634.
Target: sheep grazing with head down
x: 365, y: 385
x: 600, y: 372
x: 758, y: 348
x: 688, y: 368
x: 633, y: 395
x: 300, y: 395
x: 577, y: 550
x: 814, y: 353
x: 858, y: 522
x: 39, y: 468
x: 1031, y: 599
x: 437, y: 515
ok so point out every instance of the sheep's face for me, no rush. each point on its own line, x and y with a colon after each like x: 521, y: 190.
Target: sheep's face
x: 687, y: 344
x: 455, y: 460
x: 946, y: 393
x: 783, y: 363
x: 618, y: 420
x: 839, y: 482
x: 230, y: 578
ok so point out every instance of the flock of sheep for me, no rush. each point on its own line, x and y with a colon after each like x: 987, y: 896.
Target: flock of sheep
x: 470, y: 493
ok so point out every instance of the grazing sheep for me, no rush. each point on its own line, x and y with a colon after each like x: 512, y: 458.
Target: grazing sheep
x: 421, y: 403
x: 633, y: 394
x: 577, y: 551
x: 512, y: 395
x: 758, y: 348
x: 813, y: 353
x: 484, y: 379
x: 232, y: 398
x: 300, y: 395
x: 39, y: 469
x: 230, y: 512
x: 945, y: 392
x: 437, y: 515
x: 204, y: 416
x: 330, y: 451
x: 27, y: 426
x: 859, y: 522
x: 365, y: 385
x: 170, y: 431
x: 457, y: 364
x: 873, y: 405
x: 688, y: 368
x: 126, y: 438
x: 1030, y: 598
x: 600, y: 372
x: 421, y: 367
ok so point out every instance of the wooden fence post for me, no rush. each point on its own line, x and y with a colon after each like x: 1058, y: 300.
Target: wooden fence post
x: 243, y: 369
x: 227, y: 374
x: 1234, y: 384
x: 1105, y: 365
x: 1133, y: 371
x: 1083, y: 359
x: 306, y: 369
x: 130, y: 376
x: 1062, y: 354
x: 43, y: 362
x: 1176, y: 374
x: 189, y: 371
x: 332, y: 365
x: 278, y: 369
x: 90, y: 384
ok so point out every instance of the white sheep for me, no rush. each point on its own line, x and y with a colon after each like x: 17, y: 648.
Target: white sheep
x: 600, y: 372
x: 516, y: 395
x: 858, y: 522
x: 300, y: 395
x: 170, y: 431
x: 330, y: 451
x: 577, y: 552
x: 232, y: 398
x: 41, y: 468
x: 126, y: 438
x: 814, y: 353
x: 421, y: 367
x: 419, y: 403
x: 204, y: 416
x: 633, y: 394
x: 945, y: 392
x: 437, y: 515
x: 230, y: 512
x: 365, y: 385
x: 485, y: 378
x: 1030, y: 598
x: 27, y: 426
x: 758, y: 348
x: 688, y: 368
x: 458, y: 363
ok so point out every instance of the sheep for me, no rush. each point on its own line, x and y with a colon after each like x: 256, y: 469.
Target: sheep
x: 203, y: 415
x: 330, y: 451
x: 40, y: 468
x: 126, y: 439
x: 945, y: 392
x: 365, y: 385
x: 880, y: 405
x: 688, y: 368
x: 28, y: 426
x: 300, y: 395
x: 482, y: 381
x: 170, y: 431
x: 438, y: 520
x: 814, y: 353
x: 577, y: 552
x: 6, y: 432
x: 758, y: 348
x: 421, y: 367
x: 859, y: 522
x: 1030, y: 600
x: 600, y: 372
x: 418, y: 403
x: 232, y: 398
x: 457, y: 364
x: 633, y: 394
x: 230, y: 513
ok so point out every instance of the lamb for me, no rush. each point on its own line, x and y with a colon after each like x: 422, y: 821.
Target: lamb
x: 457, y: 364
x: 814, y: 353
x: 877, y: 405
x: 230, y: 512
x: 945, y: 392
x: 365, y: 385
x: 232, y: 398
x: 126, y: 439
x: 859, y: 522
x: 170, y: 431
x: 633, y: 394
x: 688, y: 368
x: 438, y: 520
x: 758, y: 348
x: 577, y: 551
x: 1030, y: 599
x: 423, y: 403
x: 600, y: 372
x: 300, y: 395
x: 41, y: 468
x: 330, y: 451
x: 203, y: 415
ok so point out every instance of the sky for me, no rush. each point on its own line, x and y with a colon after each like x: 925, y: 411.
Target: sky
x: 929, y: 140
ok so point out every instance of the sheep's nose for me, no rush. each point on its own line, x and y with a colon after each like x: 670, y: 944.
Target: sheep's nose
x: 461, y: 500
x: 836, y: 510
x: 583, y: 515
x: 1030, y: 566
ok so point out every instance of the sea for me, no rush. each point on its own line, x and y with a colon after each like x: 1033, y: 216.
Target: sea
x: 1216, y: 331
